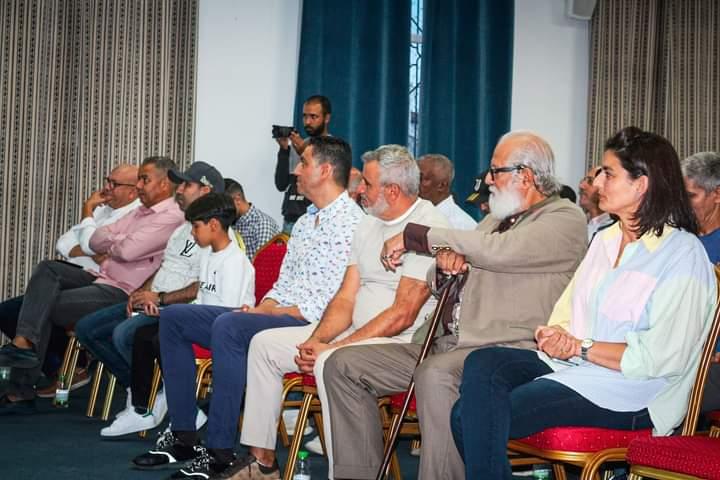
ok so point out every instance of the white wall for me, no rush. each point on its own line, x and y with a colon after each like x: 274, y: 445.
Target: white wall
x: 247, y: 70
x: 550, y: 78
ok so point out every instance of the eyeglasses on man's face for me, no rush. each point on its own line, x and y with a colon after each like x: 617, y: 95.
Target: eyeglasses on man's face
x: 112, y: 183
x: 515, y: 168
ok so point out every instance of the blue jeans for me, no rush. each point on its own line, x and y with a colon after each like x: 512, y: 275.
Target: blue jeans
x: 108, y: 335
x: 227, y: 334
x: 500, y: 400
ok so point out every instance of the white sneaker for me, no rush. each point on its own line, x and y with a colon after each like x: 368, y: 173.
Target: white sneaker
x: 290, y: 419
x: 314, y: 446
x: 160, y: 408
x: 130, y: 422
x: 200, y: 419
x: 128, y: 405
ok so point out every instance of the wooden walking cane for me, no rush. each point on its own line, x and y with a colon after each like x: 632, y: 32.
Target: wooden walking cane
x: 395, y: 426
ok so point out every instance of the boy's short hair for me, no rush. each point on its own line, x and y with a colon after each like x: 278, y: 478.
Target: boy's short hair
x: 212, y: 205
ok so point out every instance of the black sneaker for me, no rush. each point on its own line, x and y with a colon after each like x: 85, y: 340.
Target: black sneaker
x: 16, y: 357
x: 248, y: 468
x: 201, y: 468
x: 168, y: 453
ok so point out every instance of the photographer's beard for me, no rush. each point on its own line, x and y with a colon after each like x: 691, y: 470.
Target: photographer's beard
x: 315, y: 131
x: 504, y: 203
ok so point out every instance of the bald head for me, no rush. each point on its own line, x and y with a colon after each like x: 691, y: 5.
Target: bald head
x: 119, y: 189
x: 436, y: 176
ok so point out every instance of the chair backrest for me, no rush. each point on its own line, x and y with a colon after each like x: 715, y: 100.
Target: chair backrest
x: 696, y: 395
x: 267, y: 263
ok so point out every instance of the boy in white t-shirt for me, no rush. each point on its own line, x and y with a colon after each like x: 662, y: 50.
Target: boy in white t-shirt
x: 227, y: 278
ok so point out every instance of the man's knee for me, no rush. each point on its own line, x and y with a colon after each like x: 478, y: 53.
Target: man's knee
x: 335, y: 368
x: 431, y: 374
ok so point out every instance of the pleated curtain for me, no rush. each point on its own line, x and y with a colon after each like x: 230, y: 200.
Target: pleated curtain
x: 357, y: 53
x: 655, y: 64
x: 84, y: 86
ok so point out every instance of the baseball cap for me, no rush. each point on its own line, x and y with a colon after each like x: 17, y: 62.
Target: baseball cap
x: 202, y: 173
x: 481, y: 190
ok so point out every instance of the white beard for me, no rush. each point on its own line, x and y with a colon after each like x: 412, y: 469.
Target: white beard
x: 504, y: 203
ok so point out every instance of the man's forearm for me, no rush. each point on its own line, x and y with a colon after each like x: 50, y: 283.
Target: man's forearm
x: 336, y: 319
x: 389, y: 323
x: 184, y: 295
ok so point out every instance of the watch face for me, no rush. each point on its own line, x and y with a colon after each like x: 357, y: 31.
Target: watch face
x: 587, y: 343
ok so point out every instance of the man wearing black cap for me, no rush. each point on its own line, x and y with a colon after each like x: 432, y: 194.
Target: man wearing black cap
x: 108, y: 333
x: 480, y: 195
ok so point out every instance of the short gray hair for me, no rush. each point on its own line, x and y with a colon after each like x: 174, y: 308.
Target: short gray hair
x: 535, y: 153
x: 703, y: 168
x: 441, y: 162
x: 397, y: 166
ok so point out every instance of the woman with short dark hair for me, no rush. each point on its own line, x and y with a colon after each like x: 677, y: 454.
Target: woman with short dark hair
x: 623, y: 342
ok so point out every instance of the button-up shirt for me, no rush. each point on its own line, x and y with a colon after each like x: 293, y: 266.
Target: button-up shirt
x: 256, y: 228
x: 135, y: 244
x: 317, y: 256
x: 659, y: 300
x: 457, y: 217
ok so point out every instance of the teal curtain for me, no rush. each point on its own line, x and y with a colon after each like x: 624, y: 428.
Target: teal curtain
x: 356, y: 52
x: 466, y: 83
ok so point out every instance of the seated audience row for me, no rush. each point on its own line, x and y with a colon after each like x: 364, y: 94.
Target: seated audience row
x: 538, y: 333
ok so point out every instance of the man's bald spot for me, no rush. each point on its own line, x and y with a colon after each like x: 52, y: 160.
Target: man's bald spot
x: 126, y: 172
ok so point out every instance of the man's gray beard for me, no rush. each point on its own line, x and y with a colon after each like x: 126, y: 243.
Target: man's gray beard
x: 379, y: 207
x: 504, y: 203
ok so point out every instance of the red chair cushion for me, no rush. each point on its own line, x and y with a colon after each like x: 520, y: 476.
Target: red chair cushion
x: 291, y: 376
x: 267, y: 264
x: 309, y: 380
x: 583, y: 439
x: 697, y: 456
x: 714, y: 415
x: 201, y: 353
x: 397, y: 400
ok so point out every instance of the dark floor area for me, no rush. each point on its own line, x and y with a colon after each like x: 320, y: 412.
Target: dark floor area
x: 61, y: 444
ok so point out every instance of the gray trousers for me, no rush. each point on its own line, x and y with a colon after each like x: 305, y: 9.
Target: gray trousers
x: 355, y: 376
x: 60, y: 294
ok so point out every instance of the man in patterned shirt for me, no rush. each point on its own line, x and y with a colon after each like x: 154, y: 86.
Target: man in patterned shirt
x: 255, y: 226
x: 310, y: 276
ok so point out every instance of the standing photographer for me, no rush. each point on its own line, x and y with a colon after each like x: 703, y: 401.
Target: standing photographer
x: 316, y: 117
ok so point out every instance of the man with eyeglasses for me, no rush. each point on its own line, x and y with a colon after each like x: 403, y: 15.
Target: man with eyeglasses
x: 590, y: 203
x: 115, y: 199
x: 516, y: 263
x: 60, y: 293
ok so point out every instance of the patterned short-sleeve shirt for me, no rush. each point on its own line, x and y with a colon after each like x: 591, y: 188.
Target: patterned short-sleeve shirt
x: 317, y: 256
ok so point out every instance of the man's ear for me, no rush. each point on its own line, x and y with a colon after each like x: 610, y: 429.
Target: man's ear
x: 716, y: 195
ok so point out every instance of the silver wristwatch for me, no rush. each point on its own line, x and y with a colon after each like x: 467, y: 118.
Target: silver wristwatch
x: 586, y: 345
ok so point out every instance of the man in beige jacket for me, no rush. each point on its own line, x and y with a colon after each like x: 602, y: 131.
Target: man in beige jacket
x: 517, y: 261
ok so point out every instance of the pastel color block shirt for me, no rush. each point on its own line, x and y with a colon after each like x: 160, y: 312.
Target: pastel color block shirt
x: 659, y: 300
x: 317, y: 255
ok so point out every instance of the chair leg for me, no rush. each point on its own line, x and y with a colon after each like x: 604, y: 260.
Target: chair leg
x: 108, y: 396
x: 559, y: 471
x: 202, y: 369
x: 70, y: 373
x: 297, y: 438
x: 94, y: 391
x: 714, y: 432
x: 154, y: 387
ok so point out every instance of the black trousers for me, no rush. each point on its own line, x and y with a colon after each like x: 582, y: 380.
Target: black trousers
x: 146, y: 349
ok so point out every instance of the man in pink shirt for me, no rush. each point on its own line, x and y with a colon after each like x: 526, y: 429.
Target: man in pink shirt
x: 60, y: 293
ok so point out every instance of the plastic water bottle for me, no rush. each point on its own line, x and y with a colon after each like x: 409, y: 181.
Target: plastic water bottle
x: 62, y: 393
x: 4, y: 374
x: 302, y: 467
x: 541, y: 472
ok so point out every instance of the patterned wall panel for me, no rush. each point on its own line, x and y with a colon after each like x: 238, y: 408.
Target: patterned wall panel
x: 84, y: 86
x: 655, y: 64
